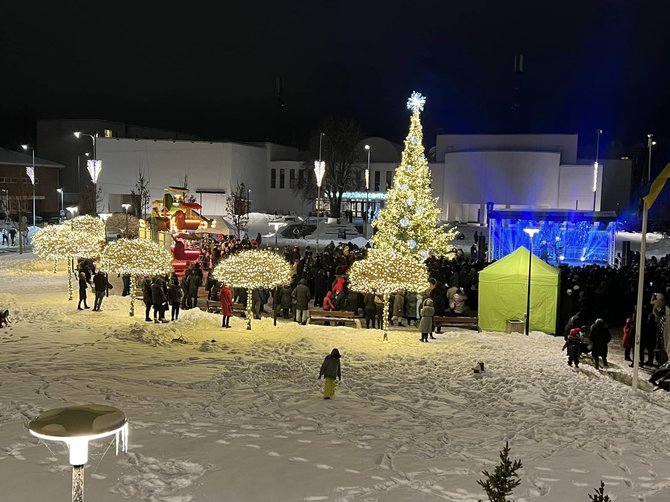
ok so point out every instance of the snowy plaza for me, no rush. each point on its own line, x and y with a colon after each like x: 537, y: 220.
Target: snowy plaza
x: 237, y: 415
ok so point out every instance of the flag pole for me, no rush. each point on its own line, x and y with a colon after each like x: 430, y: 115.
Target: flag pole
x: 640, y: 294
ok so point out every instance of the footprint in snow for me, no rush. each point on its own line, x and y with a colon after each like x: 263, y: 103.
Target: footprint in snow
x: 273, y: 454
x: 255, y: 446
x: 220, y: 441
x: 298, y: 459
x: 352, y: 471
x: 304, y: 441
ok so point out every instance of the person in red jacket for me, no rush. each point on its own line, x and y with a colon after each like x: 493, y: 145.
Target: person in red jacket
x: 226, y: 298
x: 628, y: 338
x: 328, y: 301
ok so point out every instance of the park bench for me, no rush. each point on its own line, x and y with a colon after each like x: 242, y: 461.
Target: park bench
x: 455, y: 322
x: 214, y: 306
x: 333, y: 316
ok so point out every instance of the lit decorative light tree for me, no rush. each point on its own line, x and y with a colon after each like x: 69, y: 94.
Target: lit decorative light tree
x: 386, y: 272
x: 48, y: 245
x: 88, y: 224
x: 61, y: 242
x: 135, y: 257
x: 409, y: 221
x: 254, y: 269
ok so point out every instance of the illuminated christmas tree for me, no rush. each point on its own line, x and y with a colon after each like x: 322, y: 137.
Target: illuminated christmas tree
x: 408, y: 224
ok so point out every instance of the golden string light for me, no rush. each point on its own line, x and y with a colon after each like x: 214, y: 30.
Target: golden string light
x: 252, y: 269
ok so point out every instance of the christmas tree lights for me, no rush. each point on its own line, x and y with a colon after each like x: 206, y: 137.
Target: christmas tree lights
x: 386, y: 272
x: 61, y: 242
x: 87, y: 224
x: 135, y: 257
x: 408, y: 224
x: 253, y: 269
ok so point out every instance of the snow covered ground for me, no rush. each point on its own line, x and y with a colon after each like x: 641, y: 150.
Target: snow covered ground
x: 236, y: 415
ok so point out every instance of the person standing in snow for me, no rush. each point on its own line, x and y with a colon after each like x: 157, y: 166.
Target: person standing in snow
x: 600, y: 337
x: 146, y: 297
x: 426, y: 321
x: 101, y: 285
x: 301, y: 296
x: 330, y: 370
x: 158, y: 299
x: 226, y: 298
x: 174, y: 295
x: 573, y: 344
x: 628, y: 338
x: 83, y: 286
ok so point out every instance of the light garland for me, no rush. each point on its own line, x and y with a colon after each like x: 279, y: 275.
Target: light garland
x: 252, y: 269
x: 385, y: 272
x: 135, y: 257
x: 408, y: 223
x: 87, y: 224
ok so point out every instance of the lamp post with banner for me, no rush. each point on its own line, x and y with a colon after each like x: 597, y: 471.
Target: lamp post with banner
x: 319, y: 171
x: 94, y: 167
x: 30, y: 171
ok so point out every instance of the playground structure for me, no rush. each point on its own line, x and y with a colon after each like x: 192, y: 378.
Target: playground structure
x: 174, y: 220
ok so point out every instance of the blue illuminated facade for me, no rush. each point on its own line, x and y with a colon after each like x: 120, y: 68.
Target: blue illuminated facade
x: 564, y: 237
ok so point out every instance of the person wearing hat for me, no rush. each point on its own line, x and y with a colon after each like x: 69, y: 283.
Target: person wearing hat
x: 600, y: 337
x: 330, y: 370
x: 426, y: 321
x: 573, y: 344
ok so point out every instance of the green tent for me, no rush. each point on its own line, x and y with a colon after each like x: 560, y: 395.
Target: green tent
x: 503, y: 290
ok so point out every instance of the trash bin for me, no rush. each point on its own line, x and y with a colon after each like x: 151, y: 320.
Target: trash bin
x: 516, y: 326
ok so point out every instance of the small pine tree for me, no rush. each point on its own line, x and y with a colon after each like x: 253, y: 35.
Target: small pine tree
x: 600, y: 494
x: 503, y: 480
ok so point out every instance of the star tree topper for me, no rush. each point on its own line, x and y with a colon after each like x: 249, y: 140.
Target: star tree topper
x: 416, y: 102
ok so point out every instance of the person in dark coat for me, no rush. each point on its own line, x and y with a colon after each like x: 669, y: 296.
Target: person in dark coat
x: 185, y: 284
x: 257, y: 302
x: 101, y: 285
x: 126, y: 284
x: 648, y: 334
x: 194, y: 284
x: 226, y: 298
x: 370, y: 309
x: 330, y: 370
x: 426, y: 321
x: 410, y: 308
x: 158, y: 299
x: 439, y: 297
x: 175, y: 294
x: 319, y: 286
x: 146, y: 297
x: 286, y: 301
x: 83, y: 286
x: 573, y: 344
x: 600, y: 337
x: 301, y: 296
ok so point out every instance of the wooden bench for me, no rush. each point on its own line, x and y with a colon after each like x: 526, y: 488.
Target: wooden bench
x: 214, y: 306
x: 455, y: 322
x: 333, y: 316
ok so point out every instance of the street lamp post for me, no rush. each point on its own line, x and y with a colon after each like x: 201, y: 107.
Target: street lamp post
x: 125, y: 208
x: 650, y: 143
x: 276, y: 225
x: 94, y: 166
x: 531, y: 233
x: 595, y: 168
x: 31, y: 175
x: 61, y: 212
x: 319, y: 171
x: 367, y: 193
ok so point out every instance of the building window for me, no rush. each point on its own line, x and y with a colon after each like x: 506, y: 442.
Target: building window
x: 291, y: 178
x: 389, y: 179
x: 273, y: 178
x: 377, y: 180
x: 301, y: 178
x: 281, y: 178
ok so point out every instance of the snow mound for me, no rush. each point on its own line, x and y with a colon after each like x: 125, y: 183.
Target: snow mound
x: 211, y: 346
x: 31, y: 266
x: 156, y: 335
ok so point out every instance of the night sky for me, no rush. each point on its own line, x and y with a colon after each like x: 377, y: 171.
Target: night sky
x: 211, y: 68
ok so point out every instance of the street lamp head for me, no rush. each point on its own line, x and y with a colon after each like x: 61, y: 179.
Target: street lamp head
x: 77, y: 134
x: 126, y: 207
x: 531, y: 231
x: 25, y: 147
x: 367, y: 148
x: 59, y: 190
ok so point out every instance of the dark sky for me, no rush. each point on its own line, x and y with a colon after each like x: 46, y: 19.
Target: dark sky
x: 210, y: 68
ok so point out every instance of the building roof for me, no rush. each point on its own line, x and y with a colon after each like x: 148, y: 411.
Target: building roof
x: 11, y: 158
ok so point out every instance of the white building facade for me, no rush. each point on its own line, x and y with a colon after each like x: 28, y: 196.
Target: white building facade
x: 469, y: 172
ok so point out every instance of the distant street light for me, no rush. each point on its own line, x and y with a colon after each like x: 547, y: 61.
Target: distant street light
x: 125, y: 208
x: 61, y: 213
x: 650, y: 143
x: 319, y: 171
x: 73, y: 210
x: 367, y: 193
x: 276, y: 225
x: 595, y: 168
x: 30, y: 171
x: 531, y: 233
x: 94, y: 166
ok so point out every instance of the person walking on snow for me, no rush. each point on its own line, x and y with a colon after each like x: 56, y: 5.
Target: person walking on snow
x: 600, y: 337
x: 330, y: 369
x: 83, y: 286
x: 573, y: 344
x: 226, y: 298
x: 426, y: 321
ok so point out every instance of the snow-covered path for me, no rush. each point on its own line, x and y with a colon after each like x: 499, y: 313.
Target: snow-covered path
x: 241, y: 418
